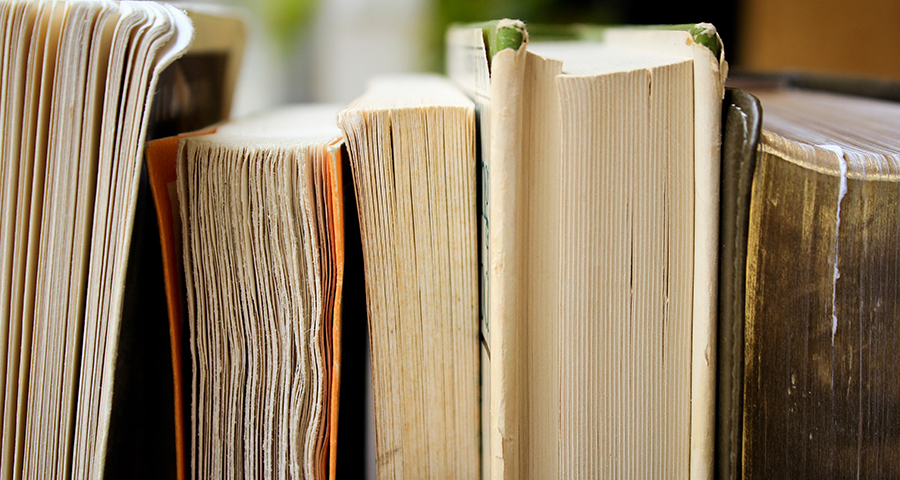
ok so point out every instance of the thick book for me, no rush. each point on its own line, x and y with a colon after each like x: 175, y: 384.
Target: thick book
x: 251, y: 216
x: 259, y: 207
x: 411, y: 144
x: 82, y: 88
x: 815, y: 382
x: 599, y: 162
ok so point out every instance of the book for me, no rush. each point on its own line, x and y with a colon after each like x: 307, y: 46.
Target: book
x: 815, y: 378
x: 226, y: 253
x: 259, y: 247
x: 262, y: 222
x: 599, y: 176
x: 79, y: 89
x: 411, y: 145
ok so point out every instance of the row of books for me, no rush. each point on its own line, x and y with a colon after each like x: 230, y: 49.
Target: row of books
x: 581, y: 257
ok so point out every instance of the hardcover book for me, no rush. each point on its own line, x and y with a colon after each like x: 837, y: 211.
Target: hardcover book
x: 819, y: 383
x: 599, y: 156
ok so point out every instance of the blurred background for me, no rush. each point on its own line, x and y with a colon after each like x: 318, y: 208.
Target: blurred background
x: 325, y: 50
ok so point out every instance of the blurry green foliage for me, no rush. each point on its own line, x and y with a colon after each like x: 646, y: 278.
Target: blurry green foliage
x: 283, y: 19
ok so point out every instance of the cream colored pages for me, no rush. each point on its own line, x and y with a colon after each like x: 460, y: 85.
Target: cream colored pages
x: 68, y: 121
x: 412, y: 150
x: 604, y: 245
x: 68, y: 189
x: 15, y: 102
x: 261, y: 290
x: 41, y: 60
x: 130, y: 22
x: 710, y: 72
x: 167, y: 39
x: 597, y: 316
x: 19, y: 26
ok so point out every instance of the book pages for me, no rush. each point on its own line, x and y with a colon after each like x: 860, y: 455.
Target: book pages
x: 610, y: 230
x: 263, y: 258
x: 710, y: 71
x: 603, y: 263
x: 18, y: 106
x: 412, y: 150
x: 66, y: 119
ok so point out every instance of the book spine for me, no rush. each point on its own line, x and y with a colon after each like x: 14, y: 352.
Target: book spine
x: 710, y: 71
x: 508, y: 75
x: 741, y: 125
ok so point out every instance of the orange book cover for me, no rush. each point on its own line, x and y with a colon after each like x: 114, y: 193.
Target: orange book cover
x: 162, y: 156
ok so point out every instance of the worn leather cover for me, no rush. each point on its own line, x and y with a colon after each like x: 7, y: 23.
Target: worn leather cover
x: 741, y: 122
x: 820, y: 376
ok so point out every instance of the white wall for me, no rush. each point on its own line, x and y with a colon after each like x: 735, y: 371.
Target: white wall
x: 346, y: 43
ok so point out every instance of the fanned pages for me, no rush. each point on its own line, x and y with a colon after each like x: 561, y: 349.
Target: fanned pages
x: 77, y: 84
x: 262, y: 223
x: 69, y: 253
x: 600, y: 182
x: 192, y: 93
x: 412, y: 149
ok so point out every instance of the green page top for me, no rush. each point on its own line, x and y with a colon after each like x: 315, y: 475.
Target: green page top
x: 501, y: 34
x: 507, y: 33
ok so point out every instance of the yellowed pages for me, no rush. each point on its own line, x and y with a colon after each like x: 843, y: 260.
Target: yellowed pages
x: 569, y: 100
x: 412, y: 149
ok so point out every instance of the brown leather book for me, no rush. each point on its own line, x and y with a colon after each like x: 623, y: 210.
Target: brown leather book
x: 819, y: 383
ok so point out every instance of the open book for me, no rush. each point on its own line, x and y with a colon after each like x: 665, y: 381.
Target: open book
x: 79, y: 90
x: 599, y: 176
